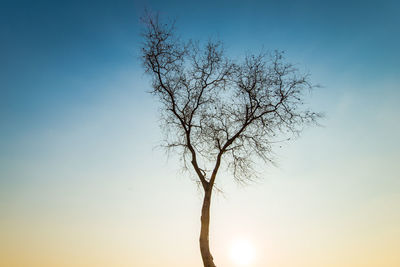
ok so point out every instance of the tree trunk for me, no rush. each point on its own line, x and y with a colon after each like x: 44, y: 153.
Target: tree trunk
x: 204, y: 232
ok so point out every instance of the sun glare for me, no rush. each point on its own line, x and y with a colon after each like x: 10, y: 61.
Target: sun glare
x: 242, y: 252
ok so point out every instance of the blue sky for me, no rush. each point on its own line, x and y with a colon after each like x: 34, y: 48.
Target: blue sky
x: 55, y: 53
x: 45, y: 43
x: 78, y: 131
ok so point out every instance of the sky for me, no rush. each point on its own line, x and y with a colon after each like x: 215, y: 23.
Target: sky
x: 82, y: 182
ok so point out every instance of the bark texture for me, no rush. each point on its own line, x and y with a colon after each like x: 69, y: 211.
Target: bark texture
x: 208, y: 260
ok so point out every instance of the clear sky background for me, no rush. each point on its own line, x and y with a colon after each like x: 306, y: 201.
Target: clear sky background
x: 81, y: 183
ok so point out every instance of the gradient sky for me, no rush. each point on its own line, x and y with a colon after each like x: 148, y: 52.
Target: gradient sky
x: 81, y: 183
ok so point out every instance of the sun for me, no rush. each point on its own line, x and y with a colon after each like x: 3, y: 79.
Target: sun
x: 242, y: 252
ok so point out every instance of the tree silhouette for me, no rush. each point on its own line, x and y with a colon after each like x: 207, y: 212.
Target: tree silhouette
x: 218, y: 112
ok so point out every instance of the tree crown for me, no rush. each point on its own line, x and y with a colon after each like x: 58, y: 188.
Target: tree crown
x: 215, y: 109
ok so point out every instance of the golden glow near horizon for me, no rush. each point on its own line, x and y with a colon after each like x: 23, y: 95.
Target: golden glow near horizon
x: 242, y: 252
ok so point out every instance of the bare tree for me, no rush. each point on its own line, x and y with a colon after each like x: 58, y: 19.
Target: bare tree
x: 218, y: 112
